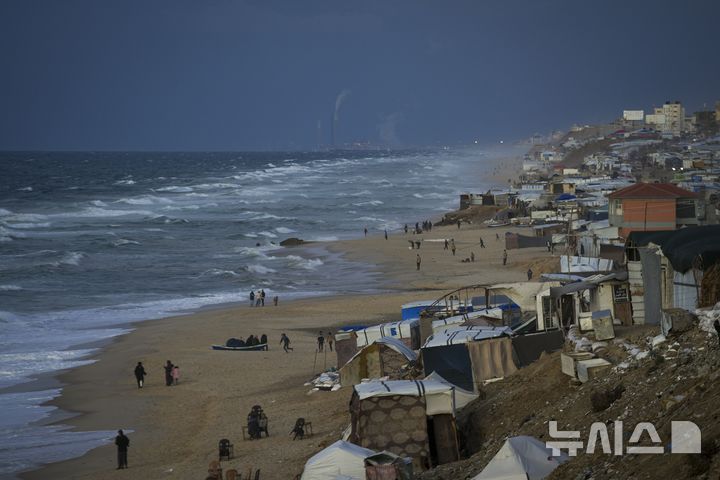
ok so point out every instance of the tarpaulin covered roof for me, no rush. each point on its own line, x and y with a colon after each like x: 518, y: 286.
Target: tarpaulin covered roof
x: 522, y: 293
x: 441, y: 395
x: 495, y: 312
x: 465, y: 336
x: 393, y: 343
x: 682, y: 246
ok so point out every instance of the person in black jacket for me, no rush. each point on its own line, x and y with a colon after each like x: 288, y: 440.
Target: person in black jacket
x: 122, y: 443
x: 140, y: 374
x: 168, y: 373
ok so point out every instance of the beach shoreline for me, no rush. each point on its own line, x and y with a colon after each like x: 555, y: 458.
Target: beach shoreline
x: 102, y: 396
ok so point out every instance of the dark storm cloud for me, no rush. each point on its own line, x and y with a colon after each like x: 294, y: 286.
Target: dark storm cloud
x: 221, y: 74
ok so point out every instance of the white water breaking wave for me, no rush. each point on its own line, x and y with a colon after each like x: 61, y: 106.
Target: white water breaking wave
x: 10, y: 288
x: 373, y: 203
x: 124, y: 241
x: 174, y: 189
x: 145, y: 200
x: 305, y: 263
x: 284, y: 230
x: 259, y: 269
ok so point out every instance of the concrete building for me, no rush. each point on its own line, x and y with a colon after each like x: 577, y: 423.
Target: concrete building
x: 669, y: 119
x: 654, y: 206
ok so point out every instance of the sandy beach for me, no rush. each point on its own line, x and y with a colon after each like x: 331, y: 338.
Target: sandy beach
x: 174, y: 431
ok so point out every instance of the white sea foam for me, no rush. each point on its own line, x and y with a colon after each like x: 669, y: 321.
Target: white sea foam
x: 10, y: 288
x: 5, y: 213
x: 267, y: 234
x: 218, y: 272
x: 433, y: 196
x: 306, y: 263
x: 174, y: 189
x: 70, y: 258
x: 25, y: 189
x: 284, y: 230
x: 145, y: 200
x: 125, y: 182
x: 373, y: 203
x: 98, y: 203
x: 323, y: 238
x: 259, y: 269
x: 124, y: 241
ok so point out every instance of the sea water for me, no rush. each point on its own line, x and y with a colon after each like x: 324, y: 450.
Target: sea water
x: 92, y: 241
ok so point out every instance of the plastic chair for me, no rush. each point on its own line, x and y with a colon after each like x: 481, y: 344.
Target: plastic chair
x: 225, y: 449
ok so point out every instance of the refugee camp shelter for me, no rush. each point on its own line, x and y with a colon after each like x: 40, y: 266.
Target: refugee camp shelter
x: 486, y: 317
x: 407, y: 331
x: 339, y: 459
x: 384, y: 357
x: 568, y: 304
x: 673, y: 269
x: 410, y: 418
x: 469, y: 357
x: 522, y: 458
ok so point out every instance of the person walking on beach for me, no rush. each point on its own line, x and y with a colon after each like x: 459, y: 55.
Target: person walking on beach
x: 366, y: 231
x: 320, y: 341
x: 529, y: 274
x: 482, y: 243
x: 252, y: 298
x: 472, y: 256
x: 497, y: 237
x: 140, y: 374
x: 262, y: 297
x: 276, y: 299
x: 385, y: 234
x: 175, y: 374
x: 446, y: 244
x: 168, y: 373
x: 452, y: 246
x: 122, y: 443
x: 285, y: 342
x: 418, y: 260
x: 329, y: 339
x: 504, y: 257
x: 406, y: 229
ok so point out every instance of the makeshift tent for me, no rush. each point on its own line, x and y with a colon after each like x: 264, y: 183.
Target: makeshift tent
x: 522, y: 293
x: 339, y: 459
x: 521, y: 458
x: 412, y: 310
x: 468, y: 318
x: 386, y: 465
x: 408, y: 331
x: 467, y: 358
x: 394, y: 416
x: 383, y: 357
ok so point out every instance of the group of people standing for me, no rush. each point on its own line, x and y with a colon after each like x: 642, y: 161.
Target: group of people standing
x: 172, y: 374
x: 426, y: 226
x: 323, y: 339
x: 258, y: 298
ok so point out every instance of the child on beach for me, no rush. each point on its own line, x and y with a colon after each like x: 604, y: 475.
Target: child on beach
x: 285, y: 342
x: 176, y: 374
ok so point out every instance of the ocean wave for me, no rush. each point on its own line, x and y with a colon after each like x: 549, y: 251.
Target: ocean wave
x: 174, y: 189
x: 98, y: 203
x: 167, y: 220
x: 145, y: 200
x: 125, y: 182
x: 25, y: 189
x: 5, y: 213
x: 323, y: 238
x: 259, y: 269
x: 214, y: 186
x: 305, y: 263
x: 70, y: 258
x: 124, y: 241
x: 197, y: 195
x: 26, y: 217
x: 373, y: 203
x: 98, y: 212
x: 26, y: 226
x: 10, y: 288
x: 218, y: 272
x: 267, y: 234
x: 284, y: 230
x: 433, y: 196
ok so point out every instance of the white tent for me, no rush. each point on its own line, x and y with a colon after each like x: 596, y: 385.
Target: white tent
x: 402, y: 329
x: 339, y: 460
x: 440, y: 395
x: 521, y: 458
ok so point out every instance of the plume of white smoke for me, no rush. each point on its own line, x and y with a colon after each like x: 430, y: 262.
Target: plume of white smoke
x: 338, y: 103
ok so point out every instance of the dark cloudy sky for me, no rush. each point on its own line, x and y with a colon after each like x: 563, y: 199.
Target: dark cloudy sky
x: 227, y: 75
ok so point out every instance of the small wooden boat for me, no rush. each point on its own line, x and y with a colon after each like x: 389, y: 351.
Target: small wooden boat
x: 261, y: 346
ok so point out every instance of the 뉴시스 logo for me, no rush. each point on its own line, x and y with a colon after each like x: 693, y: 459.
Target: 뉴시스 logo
x: 685, y: 437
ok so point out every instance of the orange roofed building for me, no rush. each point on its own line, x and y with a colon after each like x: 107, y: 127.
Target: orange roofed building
x: 654, y: 206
